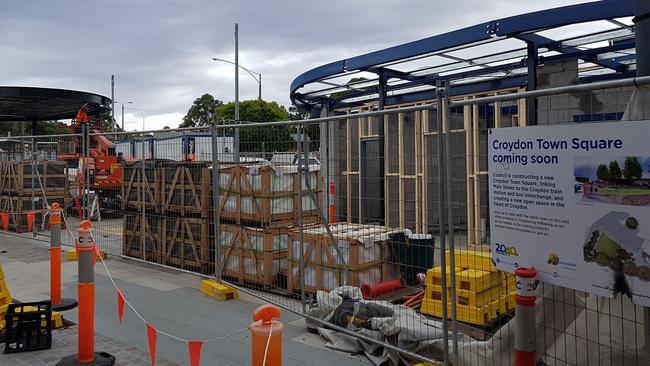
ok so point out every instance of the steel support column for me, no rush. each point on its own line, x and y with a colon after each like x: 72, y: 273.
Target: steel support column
x: 642, y: 36
x: 381, y: 101
x: 531, y: 103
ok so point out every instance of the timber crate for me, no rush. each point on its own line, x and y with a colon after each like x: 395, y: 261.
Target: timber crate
x: 49, y: 178
x: 360, y: 245
x: 364, y: 248
x: 19, y: 207
x: 133, y: 229
x: 321, y: 278
x: 266, y: 196
x: 186, y: 188
x: 187, y: 244
x: 254, y: 255
x: 133, y: 181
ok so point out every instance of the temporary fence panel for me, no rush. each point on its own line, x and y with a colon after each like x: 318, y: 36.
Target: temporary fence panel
x: 394, y: 204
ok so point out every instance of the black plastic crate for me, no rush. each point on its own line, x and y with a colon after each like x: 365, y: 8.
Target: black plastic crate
x: 28, y: 330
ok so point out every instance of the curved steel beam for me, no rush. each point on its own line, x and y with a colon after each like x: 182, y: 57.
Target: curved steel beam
x: 481, y: 33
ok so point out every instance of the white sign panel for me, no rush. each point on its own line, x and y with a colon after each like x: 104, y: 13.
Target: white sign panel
x: 573, y: 202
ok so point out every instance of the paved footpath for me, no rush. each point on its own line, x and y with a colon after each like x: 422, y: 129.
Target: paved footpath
x: 64, y: 343
x: 168, y: 299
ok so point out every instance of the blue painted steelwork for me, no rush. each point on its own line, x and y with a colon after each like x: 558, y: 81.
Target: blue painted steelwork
x: 521, y: 27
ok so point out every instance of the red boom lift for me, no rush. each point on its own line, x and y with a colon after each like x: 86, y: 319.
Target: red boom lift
x: 103, y: 165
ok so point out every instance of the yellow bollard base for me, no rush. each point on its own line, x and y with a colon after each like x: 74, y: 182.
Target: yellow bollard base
x: 219, y: 290
x: 71, y: 255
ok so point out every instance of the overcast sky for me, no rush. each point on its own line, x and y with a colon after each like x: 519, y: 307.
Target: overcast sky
x: 160, y: 51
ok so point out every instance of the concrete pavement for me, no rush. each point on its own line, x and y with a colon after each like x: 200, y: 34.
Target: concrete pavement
x: 167, y: 299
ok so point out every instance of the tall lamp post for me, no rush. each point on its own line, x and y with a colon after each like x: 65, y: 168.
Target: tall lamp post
x: 123, y: 103
x: 255, y: 75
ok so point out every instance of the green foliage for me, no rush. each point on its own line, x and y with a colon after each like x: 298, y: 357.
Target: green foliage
x: 201, y: 111
x: 264, y: 139
x: 614, y: 171
x: 21, y: 128
x: 602, y: 172
x: 632, y: 168
x: 313, y: 131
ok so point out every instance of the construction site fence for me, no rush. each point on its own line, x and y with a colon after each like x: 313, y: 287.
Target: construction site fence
x: 293, y: 210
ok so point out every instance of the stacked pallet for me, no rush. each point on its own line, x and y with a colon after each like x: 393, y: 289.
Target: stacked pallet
x: 483, y: 293
x: 27, y: 186
x: 254, y: 255
x: 267, y: 196
x: 176, y: 222
x: 140, y: 191
x: 259, y: 206
x: 364, y: 248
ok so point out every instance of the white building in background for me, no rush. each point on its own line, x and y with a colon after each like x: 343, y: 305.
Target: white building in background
x: 177, y: 147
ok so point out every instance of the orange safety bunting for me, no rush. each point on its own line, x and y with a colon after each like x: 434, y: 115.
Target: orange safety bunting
x: 95, y: 253
x: 30, y: 220
x: 151, y: 336
x: 5, y: 220
x: 120, y: 304
x: 195, y: 352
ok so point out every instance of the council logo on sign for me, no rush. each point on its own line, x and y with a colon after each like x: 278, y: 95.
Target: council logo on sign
x: 506, y: 250
x: 553, y: 259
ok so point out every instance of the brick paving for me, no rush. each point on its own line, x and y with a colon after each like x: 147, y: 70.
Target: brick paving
x: 64, y: 343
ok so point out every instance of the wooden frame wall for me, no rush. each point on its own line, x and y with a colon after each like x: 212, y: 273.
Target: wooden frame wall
x: 421, y: 155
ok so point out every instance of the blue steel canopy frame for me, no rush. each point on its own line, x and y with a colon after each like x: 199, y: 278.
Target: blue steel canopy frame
x: 486, y: 72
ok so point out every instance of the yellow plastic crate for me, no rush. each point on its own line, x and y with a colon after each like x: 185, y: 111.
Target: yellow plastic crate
x: 472, y: 259
x: 476, y: 280
x: 434, y: 275
x: 479, y: 299
x: 466, y: 314
x: 469, y: 298
x: 5, y: 296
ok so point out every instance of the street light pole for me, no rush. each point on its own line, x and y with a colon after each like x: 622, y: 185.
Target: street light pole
x: 236, y: 92
x: 254, y: 74
x: 123, y: 103
x: 113, y: 103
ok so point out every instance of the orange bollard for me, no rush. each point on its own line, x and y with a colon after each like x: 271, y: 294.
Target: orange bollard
x: 86, y: 293
x: 262, y: 327
x: 58, y: 304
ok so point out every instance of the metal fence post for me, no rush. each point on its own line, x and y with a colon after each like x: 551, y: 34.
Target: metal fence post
x: 143, y: 219
x: 441, y: 219
x: 87, y: 173
x: 301, y: 176
x: 33, y: 204
x: 450, y: 221
x: 215, y: 199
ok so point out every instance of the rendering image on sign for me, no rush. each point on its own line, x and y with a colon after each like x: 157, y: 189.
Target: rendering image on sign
x: 574, y: 203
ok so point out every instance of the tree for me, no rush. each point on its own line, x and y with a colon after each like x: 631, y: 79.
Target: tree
x: 312, y: 130
x: 632, y: 168
x: 201, y: 111
x: 295, y: 114
x: 615, y: 173
x: 602, y: 172
x: 263, y: 139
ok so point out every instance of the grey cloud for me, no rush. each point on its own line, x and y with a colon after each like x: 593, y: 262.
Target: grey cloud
x: 161, y: 50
